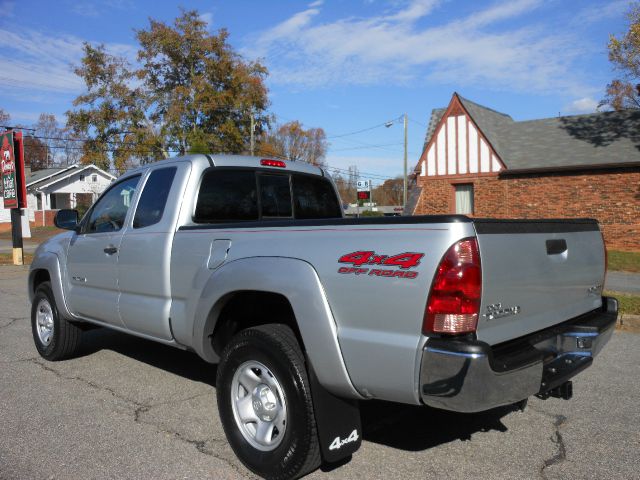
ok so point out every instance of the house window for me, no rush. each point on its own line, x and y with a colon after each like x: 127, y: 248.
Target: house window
x: 82, y: 178
x: 464, y: 198
x: 94, y: 178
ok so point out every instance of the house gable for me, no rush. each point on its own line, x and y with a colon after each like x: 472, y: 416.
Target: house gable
x: 75, y: 177
x: 458, y: 147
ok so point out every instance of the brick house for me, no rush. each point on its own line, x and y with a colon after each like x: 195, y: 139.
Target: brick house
x: 482, y: 163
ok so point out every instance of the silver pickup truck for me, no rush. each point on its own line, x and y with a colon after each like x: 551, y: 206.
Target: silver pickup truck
x: 249, y: 263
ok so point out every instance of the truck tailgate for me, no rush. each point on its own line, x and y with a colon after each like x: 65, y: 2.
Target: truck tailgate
x: 536, y: 274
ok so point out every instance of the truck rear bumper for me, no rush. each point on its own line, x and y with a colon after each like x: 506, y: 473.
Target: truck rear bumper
x: 472, y: 376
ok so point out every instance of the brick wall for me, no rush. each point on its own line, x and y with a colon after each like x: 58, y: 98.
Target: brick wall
x: 48, y: 217
x: 611, y: 196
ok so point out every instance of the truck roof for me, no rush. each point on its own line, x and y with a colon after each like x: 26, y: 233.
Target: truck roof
x: 218, y: 160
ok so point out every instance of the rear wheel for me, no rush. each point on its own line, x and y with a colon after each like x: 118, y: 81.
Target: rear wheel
x: 55, y: 337
x: 265, y: 403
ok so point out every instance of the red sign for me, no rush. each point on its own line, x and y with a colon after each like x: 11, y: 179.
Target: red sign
x: 364, y: 195
x: 14, y: 190
x: 8, y: 162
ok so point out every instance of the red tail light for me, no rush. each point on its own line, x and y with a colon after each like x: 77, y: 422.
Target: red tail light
x: 454, y: 300
x: 273, y: 163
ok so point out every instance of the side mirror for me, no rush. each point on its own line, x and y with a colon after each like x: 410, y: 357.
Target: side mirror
x: 66, y: 219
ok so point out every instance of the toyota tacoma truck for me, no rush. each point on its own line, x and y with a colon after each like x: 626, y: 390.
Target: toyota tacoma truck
x: 249, y: 263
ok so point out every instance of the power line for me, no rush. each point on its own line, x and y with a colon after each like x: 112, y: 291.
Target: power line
x: 357, y: 142
x: 417, y: 122
x: 384, y: 124
x: 361, y: 173
x: 364, y: 147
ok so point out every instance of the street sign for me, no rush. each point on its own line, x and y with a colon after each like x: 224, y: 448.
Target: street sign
x: 8, y: 162
x: 363, y: 186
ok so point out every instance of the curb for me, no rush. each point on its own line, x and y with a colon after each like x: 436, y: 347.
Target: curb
x: 628, y: 323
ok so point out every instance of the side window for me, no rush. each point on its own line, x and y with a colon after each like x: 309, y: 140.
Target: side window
x: 154, y: 197
x: 275, y: 195
x: 314, y: 197
x: 108, y: 215
x: 227, y: 196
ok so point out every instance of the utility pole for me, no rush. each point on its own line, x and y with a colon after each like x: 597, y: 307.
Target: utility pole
x: 252, y: 144
x: 404, y: 177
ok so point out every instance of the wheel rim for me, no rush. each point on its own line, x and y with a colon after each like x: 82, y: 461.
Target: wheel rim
x: 259, y: 405
x: 44, y: 321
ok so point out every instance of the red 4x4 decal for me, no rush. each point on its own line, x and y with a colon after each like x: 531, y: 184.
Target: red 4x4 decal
x: 403, y: 260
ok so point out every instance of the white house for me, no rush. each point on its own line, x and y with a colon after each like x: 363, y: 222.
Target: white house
x: 51, y: 189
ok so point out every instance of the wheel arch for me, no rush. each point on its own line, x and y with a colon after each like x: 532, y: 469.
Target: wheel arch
x: 245, y: 309
x: 46, y: 267
x: 290, y: 291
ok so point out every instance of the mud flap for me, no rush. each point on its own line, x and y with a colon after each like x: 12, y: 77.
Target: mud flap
x: 338, y: 421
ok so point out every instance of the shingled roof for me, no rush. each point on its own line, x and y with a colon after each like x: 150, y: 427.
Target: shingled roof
x: 603, y: 139
x: 436, y: 116
x: 43, y: 174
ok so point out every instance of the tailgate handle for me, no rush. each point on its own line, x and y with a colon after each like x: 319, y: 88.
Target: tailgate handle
x: 554, y: 247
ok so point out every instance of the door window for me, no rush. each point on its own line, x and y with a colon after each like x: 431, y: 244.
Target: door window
x: 110, y: 212
x: 154, y: 197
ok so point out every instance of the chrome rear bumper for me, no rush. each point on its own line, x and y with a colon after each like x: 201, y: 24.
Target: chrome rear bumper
x: 472, y: 376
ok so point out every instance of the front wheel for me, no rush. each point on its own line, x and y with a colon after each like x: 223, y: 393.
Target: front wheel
x: 265, y: 406
x: 55, y: 337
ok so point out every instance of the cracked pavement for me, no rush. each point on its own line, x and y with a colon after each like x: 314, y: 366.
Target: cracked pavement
x: 128, y: 408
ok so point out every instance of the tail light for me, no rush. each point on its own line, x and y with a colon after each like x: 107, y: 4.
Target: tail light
x: 454, y: 301
x: 265, y: 162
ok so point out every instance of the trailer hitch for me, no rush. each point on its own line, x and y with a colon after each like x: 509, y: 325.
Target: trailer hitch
x: 564, y: 391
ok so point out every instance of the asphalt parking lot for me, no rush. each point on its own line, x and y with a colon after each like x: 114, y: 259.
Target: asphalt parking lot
x: 129, y: 408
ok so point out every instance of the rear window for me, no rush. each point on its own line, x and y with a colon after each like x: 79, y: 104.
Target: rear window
x: 227, y: 196
x: 232, y: 195
x: 314, y: 197
x: 275, y: 195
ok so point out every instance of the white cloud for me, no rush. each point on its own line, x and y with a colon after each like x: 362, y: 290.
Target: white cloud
x: 407, y: 46
x: 596, y: 13
x: 43, y: 64
x: 85, y: 9
x: 98, y: 7
x: 416, y: 10
x: 583, y: 105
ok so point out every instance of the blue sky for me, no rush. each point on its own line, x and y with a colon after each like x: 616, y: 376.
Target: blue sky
x: 344, y: 66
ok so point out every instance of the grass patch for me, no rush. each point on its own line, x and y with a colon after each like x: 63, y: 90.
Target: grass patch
x: 7, y: 258
x: 628, y: 304
x: 624, y: 261
x: 38, y: 234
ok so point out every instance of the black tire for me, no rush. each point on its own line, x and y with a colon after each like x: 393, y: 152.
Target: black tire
x: 274, y: 346
x: 64, y: 338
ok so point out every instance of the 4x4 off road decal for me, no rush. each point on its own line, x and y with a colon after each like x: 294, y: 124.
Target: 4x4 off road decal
x: 404, y: 261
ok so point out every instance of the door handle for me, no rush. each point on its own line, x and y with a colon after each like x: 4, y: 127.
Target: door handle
x: 110, y: 250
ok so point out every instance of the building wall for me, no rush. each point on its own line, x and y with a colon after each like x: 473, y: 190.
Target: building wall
x: 611, y: 196
x: 49, y: 215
